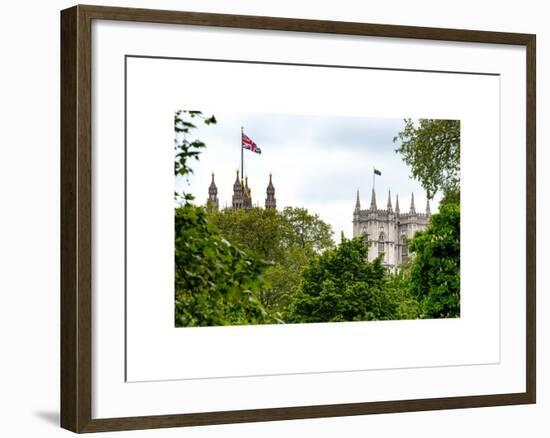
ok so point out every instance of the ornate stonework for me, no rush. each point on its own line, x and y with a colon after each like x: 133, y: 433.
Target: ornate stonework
x: 242, y: 194
x: 387, y: 230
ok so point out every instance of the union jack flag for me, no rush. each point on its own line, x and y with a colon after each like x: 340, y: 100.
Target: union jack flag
x: 247, y: 143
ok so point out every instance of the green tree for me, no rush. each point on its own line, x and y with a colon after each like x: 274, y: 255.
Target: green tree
x: 187, y: 149
x: 282, y: 279
x: 215, y: 282
x: 257, y: 230
x: 271, y: 234
x: 431, y: 149
x: 451, y: 196
x: 341, y: 285
x: 289, y: 239
x: 306, y: 230
x: 398, y: 287
x: 435, y: 268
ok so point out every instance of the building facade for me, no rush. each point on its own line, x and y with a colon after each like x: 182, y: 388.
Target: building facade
x: 388, y: 231
x: 242, y: 194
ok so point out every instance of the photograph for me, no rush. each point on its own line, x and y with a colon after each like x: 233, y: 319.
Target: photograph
x: 293, y: 218
x: 266, y: 217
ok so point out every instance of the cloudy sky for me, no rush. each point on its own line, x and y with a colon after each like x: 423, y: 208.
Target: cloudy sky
x: 318, y: 162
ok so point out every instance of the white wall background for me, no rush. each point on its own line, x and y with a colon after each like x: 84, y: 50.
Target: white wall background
x: 29, y: 216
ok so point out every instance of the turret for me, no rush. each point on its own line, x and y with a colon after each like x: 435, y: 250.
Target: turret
x: 213, y: 194
x: 396, y: 204
x: 237, y: 193
x: 357, y: 203
x: 389, y: 207
x: 373, y: 201
x: 412, y: 210
x: 247, y: 194
x: 270, y: 201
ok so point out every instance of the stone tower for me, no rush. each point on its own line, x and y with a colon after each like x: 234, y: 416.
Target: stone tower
x: 212, y: 200
x: 238, y: 193
x: 270, y: 201
x: 388, y: 231
x: 242, y: 194
x: 247, y: 194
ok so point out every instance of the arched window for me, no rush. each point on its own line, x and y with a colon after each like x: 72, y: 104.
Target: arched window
x: 404, y: 249
x: 381, y: 239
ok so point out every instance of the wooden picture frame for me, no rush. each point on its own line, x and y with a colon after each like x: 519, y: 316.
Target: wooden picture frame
x: 76, y: 218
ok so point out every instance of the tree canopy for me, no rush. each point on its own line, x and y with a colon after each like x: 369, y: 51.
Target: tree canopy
x: 215, y: 282
x: 341, y: 285
x: 187, y: 149
x: 435, y: 270
x: 431, y: 149
x: 265, y: 266
x: 288, y: 239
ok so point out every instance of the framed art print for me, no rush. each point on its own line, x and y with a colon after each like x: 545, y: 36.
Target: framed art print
x: 269, y: 218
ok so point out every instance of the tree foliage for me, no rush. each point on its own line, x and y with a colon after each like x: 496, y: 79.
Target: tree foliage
x: 341, y: 285
x: 187, y: 149
x: 288, y: 239
x: 307, y: 231
x: 257, y: 230
x: 431, y: 149
x: 398, y: 287
x: 435, y: 270
x: 215, y: 282
x: 451, y: 196
x: 259, y: 266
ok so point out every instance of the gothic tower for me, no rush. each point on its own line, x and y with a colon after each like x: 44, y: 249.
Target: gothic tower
x: 247, y: 194
x: 388, y: 230
x: 238, y: 193
x: 213, y: 195
x: 270, y: 201
x: 373, y: 201
x: 397, y: 204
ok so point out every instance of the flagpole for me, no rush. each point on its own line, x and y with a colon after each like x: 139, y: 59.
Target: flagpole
x: 242, y: 154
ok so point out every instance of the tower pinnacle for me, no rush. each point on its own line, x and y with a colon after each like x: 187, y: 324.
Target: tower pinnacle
x: 237, y: 201
x: 247, y: 194
x: 373, y: 201
x: 357, y: 202
x: 270, y: 201
x: 389, y: 207
x: 213, y: 194
x: 397, y: 204
x: 412, y: 209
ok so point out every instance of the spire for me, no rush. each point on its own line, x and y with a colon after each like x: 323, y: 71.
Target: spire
x: 270, y: 201
x: 412, y: 209
x: 237, y: 193
x: 428, y: 211
x: 397, y: 204
x: 213, y: 194
x: 357, y: 202
x: 247, y: 194
x: 213, y: 189
x: 373, y: 201
x: 389, y: 207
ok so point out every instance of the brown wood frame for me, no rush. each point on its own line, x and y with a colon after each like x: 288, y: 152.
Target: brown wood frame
x: 76, y: 237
